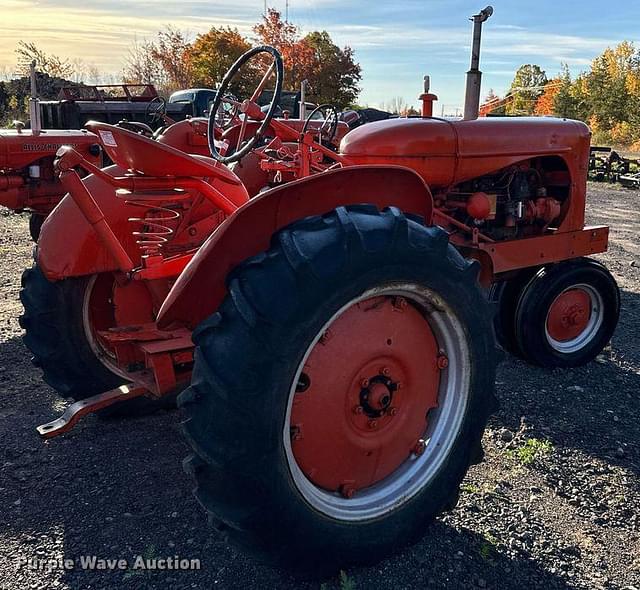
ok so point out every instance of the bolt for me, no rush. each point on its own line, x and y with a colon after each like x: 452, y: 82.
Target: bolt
x: 385, y: 371
x: 358, y: 409
x: 418, y: 448
x: 400, y: 303
x: 443, y: 361
x: 373, y: 424
x: 325, y: 337
x: 364, y: 383
x: 347, y: 490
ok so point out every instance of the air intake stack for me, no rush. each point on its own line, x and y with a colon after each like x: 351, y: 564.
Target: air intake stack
x: 474, y: 75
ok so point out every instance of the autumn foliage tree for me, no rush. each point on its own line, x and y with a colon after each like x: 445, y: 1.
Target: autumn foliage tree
x: 527, y: 86
x: 332, y: 72
x: 163, y: 62
x: 47, y: 63
x: 545, y: 105
x: 171, y: 53
x: 336, y: 74
x: 213, y: 53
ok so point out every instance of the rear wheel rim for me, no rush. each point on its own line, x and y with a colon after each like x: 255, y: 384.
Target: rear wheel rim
x: 451, y: 363
x: 98, y: 314
x: 574, y: 318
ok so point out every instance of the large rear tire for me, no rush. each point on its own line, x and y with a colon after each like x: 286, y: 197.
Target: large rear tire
x: 354, y: 305
x: 56, y: 332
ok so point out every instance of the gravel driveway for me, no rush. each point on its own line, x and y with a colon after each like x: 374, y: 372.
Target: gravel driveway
x: 554, y: 505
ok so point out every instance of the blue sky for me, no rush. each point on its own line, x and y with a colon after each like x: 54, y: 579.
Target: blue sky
x: 397, y: 42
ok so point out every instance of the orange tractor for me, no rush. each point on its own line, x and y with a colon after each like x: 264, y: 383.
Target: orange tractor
x: 332, y: 337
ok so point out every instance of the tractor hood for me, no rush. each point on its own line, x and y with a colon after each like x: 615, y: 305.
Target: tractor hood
x: 20, y: 148
x: 447, y: 152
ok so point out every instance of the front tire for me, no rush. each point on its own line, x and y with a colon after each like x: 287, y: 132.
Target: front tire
x: 355, y: 305
x: 567, y: 313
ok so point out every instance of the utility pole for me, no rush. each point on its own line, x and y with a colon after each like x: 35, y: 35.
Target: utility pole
x: 286, y: 13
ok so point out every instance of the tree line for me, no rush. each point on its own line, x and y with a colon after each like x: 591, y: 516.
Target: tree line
x: 173, y: 60
x: 606, y: 97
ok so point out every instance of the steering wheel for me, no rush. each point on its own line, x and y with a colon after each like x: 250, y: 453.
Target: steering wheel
x: 156, y: 110
x: 228, y: 113
x: 329, y: 127
x: 248, y: 108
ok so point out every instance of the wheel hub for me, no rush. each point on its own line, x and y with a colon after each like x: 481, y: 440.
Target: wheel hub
x: 377, y: 395
x: 362, y: 400
x: 569, y: 315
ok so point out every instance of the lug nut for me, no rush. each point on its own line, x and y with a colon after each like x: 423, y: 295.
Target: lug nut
x: 442, y: 362
x: 373, y: 424
x: 385, y: 371
x: 392, y: 411
x: 400, y: 303
x: 419, y: 448
x: 364, y: 383
x: 358, y: 409
x: 347, y: 490
x: 325, y: 337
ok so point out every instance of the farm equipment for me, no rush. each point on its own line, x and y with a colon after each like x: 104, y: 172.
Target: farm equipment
x: 28, y: 181
x: 607, y: 165
x: 27, y: 178
x: 110, y: 103
x: 331, y: 337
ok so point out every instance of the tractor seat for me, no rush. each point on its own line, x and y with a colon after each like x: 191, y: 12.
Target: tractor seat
x: 132, y: 151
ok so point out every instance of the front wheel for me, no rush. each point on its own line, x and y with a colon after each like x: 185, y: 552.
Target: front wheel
x: 341, y: 391
x: 567, y: 313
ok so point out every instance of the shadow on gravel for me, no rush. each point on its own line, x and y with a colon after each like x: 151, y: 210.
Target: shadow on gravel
x: 116, y: 489
x: 595, y: 408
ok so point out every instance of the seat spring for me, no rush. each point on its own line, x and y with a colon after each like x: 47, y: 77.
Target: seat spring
x: 153, y: 230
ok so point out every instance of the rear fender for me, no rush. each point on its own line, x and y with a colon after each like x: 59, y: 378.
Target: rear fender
x: 68, y: 246
x: 201, y: 287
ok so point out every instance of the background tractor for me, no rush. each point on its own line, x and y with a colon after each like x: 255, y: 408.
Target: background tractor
x: 332, y: 336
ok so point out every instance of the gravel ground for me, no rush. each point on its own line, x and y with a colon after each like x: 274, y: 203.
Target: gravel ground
x: 554, y: 505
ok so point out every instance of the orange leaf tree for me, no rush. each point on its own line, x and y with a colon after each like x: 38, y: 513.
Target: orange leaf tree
x: 332, y: 72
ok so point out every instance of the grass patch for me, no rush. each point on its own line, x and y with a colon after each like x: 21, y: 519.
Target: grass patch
x: 489, y: 547
x: 346, y: 582
x: 532, y: 450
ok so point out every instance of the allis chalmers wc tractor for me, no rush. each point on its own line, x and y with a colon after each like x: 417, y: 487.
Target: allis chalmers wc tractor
x: 333, y: 336
x: 27, y: 178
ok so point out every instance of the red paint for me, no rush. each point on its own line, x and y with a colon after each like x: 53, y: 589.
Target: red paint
x: 339, y: 449
x: 479, y: 206
x: 446, y: 153
x: 248, y: 232
x: 19, y: 150
x: 569, y: 315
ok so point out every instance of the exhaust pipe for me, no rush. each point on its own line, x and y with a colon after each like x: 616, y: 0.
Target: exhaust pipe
x: 474, y: 75
x: 34, y: 103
